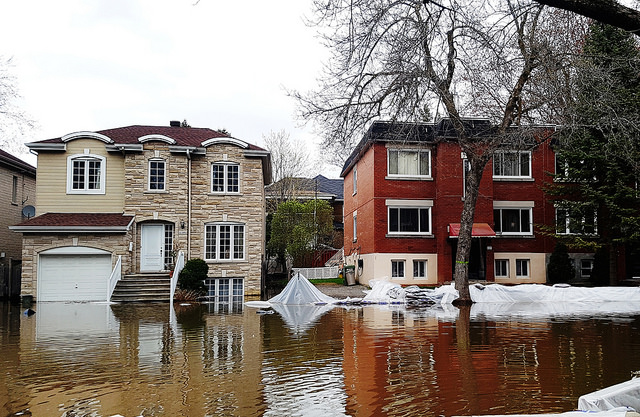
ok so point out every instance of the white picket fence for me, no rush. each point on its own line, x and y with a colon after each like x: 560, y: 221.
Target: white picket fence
x: 318, y: 273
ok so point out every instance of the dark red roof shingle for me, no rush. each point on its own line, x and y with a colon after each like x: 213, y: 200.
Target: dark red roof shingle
x: 79, y: 220
x: 184, y: 136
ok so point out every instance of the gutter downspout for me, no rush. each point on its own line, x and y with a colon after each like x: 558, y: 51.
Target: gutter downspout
x: 188, y: 203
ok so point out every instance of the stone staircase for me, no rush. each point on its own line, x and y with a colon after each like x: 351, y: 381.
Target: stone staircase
x: 144, y: 287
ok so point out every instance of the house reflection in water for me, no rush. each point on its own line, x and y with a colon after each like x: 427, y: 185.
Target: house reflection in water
x: 224, y: 359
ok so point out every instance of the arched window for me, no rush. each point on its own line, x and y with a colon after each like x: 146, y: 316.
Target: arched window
x: 86, y: 174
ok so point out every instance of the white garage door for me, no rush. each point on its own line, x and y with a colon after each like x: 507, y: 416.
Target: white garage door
x: 74, y: 277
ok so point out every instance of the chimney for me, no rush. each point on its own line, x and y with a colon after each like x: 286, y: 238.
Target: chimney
x: 174, y: 123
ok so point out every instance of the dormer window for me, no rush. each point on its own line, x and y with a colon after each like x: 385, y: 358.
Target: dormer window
x: 225, y: 178
x: 86, y: 174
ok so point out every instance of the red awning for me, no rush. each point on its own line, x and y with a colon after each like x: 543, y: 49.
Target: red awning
x: 479, y: 230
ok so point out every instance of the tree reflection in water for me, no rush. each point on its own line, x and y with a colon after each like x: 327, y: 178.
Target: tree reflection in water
x: 225, y: 359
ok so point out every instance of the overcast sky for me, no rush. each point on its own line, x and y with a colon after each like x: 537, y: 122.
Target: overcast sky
x: 99, y: 64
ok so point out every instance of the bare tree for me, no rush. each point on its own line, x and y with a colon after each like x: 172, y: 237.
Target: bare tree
x: 391, y: 59
x: 290, y: 160
x: 13, y: 122
x: 605, y: 11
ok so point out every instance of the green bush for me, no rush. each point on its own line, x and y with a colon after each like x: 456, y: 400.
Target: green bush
x: 560, y: 268
x: 193, y: 275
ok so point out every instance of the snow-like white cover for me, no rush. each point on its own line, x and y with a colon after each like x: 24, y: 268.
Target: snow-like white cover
x: 496, y: 293
x: 625, y: 394
x: 301, y: 291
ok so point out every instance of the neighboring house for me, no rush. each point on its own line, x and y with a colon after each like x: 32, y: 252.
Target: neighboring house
x: 404, y: 196
x: 17, y: 188
x: 318, y: 187
x: 304, y: 189
x: 143, y: 193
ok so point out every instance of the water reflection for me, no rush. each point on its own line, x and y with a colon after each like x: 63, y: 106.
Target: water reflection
x: 221, y: 358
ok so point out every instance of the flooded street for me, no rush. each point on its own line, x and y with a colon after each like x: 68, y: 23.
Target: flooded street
x: 82, y: 359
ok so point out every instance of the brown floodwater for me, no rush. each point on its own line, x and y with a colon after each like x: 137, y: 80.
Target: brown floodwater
x: 83, y: 359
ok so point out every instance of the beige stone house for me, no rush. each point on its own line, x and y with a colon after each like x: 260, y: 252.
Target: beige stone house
x: 141, y: 194
x: 17, y: 198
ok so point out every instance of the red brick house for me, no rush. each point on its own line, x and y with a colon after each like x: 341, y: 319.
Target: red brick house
x: 404, y: 196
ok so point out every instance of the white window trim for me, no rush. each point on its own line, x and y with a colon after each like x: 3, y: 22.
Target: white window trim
x: 515, y: 205
x: 426, y: 269
x: 408, y: 176
x: 404, y: 268
x: 232, y: 259
x: 355, y: 226
x: 225, y: 178
x: 410, y: 204
x: 495, y: 273
x: 164, y: 180
x: 355, y: 179
x: 528, y: 263
x: 103, y: 173
x: 215, y: 283
x: 530, y: 176
x: 567, y: 221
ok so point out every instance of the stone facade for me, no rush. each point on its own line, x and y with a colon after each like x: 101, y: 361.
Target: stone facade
x: 34, y: 244
x: 186, y: 202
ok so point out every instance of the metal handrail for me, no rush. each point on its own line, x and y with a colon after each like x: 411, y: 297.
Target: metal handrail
x: 115, y: 276
x: 176, y: 272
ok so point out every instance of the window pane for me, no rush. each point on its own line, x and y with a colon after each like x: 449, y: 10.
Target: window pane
x: 156, y: 175
x: 525, y: 222
x: 408, y: 220
x: 524, y: 164
x: 210, y: 242
x: 397, y: 269
x: 408, y: 163
x: 233, y: 178
x: 424, y: 163
x: 393, y: 220
x: 561, y: 220
x: 78, y: 175
x: 419, y: 268
x: 238, y: 242
x: 94, y: 175
x: 225, y: 242
x: 238, y: 287
x: 217, y: 178
x: 497, y: 223
x: 510, y: 168
x: 510, y: 221
x: 393, y: 162
x: 223, y: 287
x: 522, y: 267
x: 424, y: 220
x: 168, y: 244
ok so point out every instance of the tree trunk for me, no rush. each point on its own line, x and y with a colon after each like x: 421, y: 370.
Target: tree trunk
x: 461, y: 272
x: 609, y: 12
x: 613, y: 264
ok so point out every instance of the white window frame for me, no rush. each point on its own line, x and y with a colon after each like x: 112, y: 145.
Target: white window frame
x: 355, y: 226
x: 418, y: 152
x: 499, y: 168
x: 399, y: 264
x: 582, y: 268
x: 225, y: 178
x: 232, y: 284
x: 164, y: 175
x: 355, y: 179
x: 519, y: 272
x: 14, y: 190
x: 417, y: 262
x: 566, y: 230
x: 87, y: 157
x: 410, y: 205
x: 498, y: 224
x: 215, y: 247
x: 505, y: 262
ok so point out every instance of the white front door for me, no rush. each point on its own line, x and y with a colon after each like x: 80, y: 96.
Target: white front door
x: 152, y: 248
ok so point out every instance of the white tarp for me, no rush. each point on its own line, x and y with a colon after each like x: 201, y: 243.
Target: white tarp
x: 387, y: 292
x: 626, y: 394
x: 300, y: 291
x: 496, y: 293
